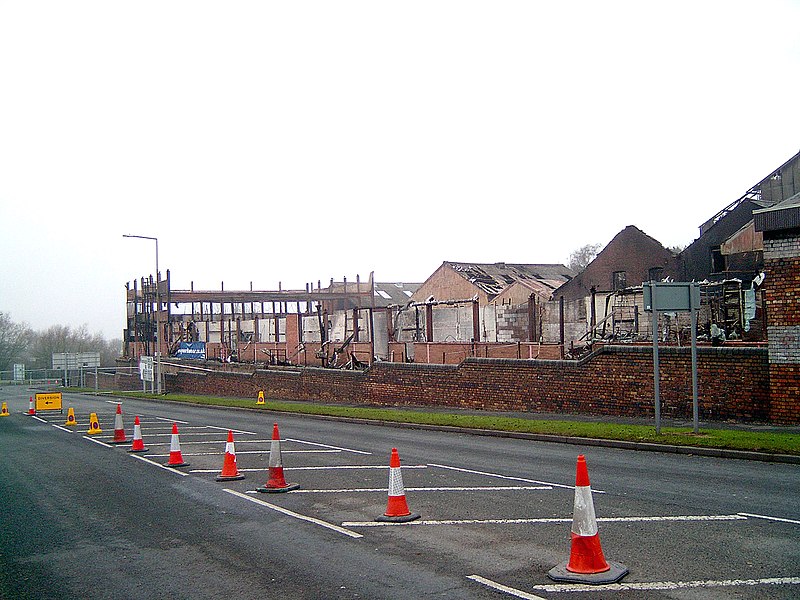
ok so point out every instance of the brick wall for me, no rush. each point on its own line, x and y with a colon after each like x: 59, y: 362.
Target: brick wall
x: 782, y: 298
x: 733, y: 384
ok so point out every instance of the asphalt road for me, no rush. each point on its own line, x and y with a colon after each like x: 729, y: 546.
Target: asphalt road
x: 80, y: 518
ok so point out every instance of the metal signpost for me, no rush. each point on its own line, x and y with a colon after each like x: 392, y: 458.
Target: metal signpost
x: 670, y: 297
x: 146, y: 372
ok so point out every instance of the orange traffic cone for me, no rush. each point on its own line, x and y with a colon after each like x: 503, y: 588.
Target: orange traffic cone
x: 119, y: 430
x: 94, y: 424
x: 4, y: 410
x: 397, y: 507
x: 175, y: 456
x: 230, y: 471
x: 586, y: 561
x: 31, y: 407
x: 138, y: 442
x: 70, y: 417
x: 276, y: 482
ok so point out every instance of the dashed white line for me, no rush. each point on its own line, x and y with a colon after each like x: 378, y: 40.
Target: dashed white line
x: 295, y: 515
x: 40, y: 419
x: 62, y: 428
x: 793, y: 521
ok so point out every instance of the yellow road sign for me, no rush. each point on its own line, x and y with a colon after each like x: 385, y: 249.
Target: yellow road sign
x: 48, y: 401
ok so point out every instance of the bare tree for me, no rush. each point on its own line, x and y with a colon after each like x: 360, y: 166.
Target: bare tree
x: 14, y: 338
x: 62, y: 338
x: 582, y: 257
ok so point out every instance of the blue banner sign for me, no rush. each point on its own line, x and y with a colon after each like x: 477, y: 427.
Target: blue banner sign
x: 191, y: 350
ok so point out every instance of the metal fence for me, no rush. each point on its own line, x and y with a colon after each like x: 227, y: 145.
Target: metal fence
x: 64, y: 378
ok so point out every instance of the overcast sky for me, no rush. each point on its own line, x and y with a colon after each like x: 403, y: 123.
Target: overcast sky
x: 298, y: 141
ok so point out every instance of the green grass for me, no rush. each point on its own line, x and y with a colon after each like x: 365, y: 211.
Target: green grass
x: 730, y: 439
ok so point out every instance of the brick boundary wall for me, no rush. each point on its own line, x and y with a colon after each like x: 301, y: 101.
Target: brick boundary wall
x: 613, y: 381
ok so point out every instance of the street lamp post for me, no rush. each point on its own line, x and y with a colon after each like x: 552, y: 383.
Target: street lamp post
x: 158, y: 311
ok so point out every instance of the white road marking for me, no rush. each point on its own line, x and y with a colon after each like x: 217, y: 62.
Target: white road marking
x: 326, y: 446
x: 40, y: 419
x: 558, y: 485
x: 684, y: 518
x: 62, y: 428
x: 254, y: 452
x: 295, y: 515
x: 793, y: 521
x: 91, y: 439
x: 166, y: 468
x: 233, y: 430
x: 426, y: 489
x: 216, y: 442
x: 666, y: 585
x: 171, y: 420
x: 382, y: 467
x: 504, y: 588
x: 181, y: 434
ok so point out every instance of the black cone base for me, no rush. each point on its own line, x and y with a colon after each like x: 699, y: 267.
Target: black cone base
x: 613, y: 575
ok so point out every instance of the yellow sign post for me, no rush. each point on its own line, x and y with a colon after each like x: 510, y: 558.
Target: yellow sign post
x: 49, y: 401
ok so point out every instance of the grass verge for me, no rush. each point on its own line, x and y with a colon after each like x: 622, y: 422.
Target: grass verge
x: 729, y: 439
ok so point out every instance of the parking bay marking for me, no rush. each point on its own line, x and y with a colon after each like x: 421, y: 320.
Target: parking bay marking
x: 548, y: 520
x: 634, y: 586
x: 327, y: 446
x: 155, y: 464
x: 217, y: 442
x: 233, y: 430
x: 91, y: 439
x: 522, y: 479
x: 793, y: 521
x: 171, y: 420
x: 295, y: 515
x: 253, y: 452
x: 427, y: 489
x: 317, y: 468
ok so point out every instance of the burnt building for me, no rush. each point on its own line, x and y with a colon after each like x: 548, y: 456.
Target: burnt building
x: 728, y: 246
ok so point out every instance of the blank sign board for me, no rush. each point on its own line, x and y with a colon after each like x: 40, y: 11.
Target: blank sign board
x: 671, y: 296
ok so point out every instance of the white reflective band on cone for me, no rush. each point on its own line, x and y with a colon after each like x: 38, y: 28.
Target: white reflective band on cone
x: 174, y: 444
x: 275, y: 453
x: 584, y: 522
x: 396, y: 483
x: 229, y: 448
